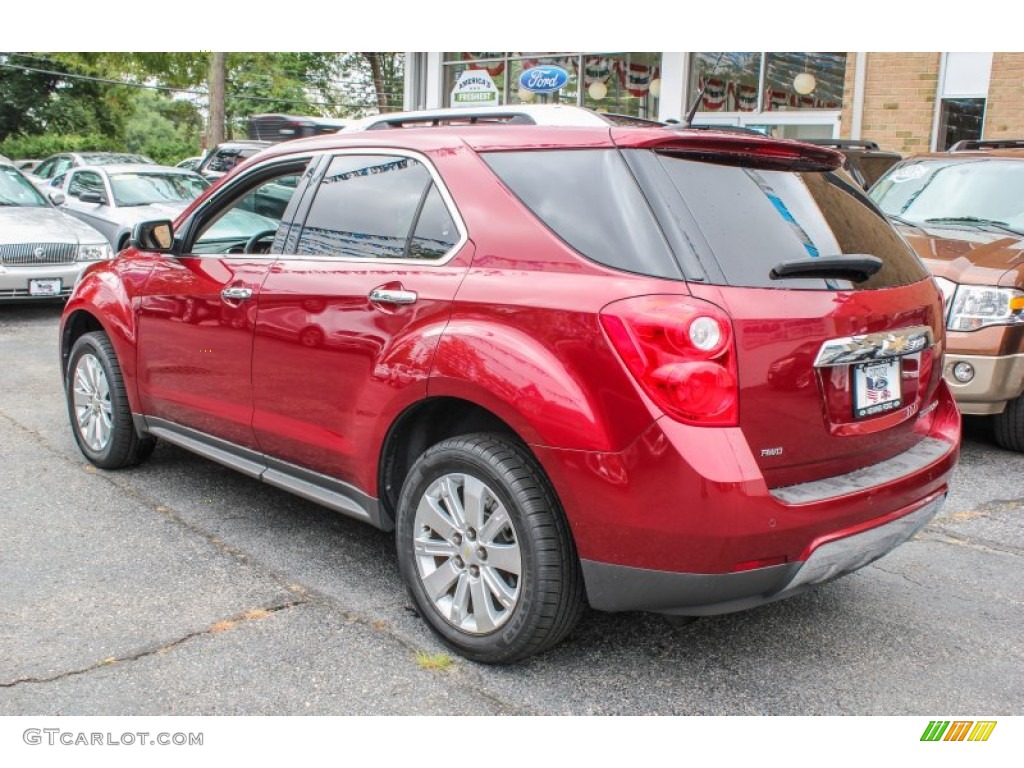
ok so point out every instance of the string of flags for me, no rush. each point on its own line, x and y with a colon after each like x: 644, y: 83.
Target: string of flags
x: 635, y: 78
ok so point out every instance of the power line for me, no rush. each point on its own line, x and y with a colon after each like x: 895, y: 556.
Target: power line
x: 352, y: 88
x: 125, y: 83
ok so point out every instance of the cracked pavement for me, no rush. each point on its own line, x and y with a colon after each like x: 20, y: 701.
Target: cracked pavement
x: 182, y: 588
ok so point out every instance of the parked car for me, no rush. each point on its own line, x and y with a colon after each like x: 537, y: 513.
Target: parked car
x: 541, y: 356
x: 56, y: 165
x: 963, y: 212
x: 114, y: 198
x: 864, y: 160
x: 42, y: 250
x: 27, y: 166
x: 287, y: 127
x: 226, y: 156
x: 190, y: 163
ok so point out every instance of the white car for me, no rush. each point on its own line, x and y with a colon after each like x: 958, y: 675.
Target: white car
x: 114, y: 198
x: 42, y: 250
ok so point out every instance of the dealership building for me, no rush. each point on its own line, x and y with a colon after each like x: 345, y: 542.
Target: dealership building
x: 907, y: 102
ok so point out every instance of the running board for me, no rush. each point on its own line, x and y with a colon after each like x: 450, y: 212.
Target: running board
x: 314, y: 486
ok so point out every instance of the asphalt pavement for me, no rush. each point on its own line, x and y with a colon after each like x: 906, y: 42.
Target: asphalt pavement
x: 182, y: 588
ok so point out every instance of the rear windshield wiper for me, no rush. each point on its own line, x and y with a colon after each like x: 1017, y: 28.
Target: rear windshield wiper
x: 857, y: 267
x: 969, y: 220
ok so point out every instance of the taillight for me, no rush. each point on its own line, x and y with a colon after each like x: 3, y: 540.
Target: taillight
x: 680, y: 351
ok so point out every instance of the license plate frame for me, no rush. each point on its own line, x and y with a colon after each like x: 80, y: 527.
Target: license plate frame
x: 877, y: 387
x: 45, y: 286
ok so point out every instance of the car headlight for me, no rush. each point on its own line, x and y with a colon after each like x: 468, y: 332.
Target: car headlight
x: 95, y: 252
x: 978, y: 306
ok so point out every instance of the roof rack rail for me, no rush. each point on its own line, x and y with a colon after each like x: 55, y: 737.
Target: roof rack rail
x: 969, y: 144
x: 446, y: 117
x: 842, y: 143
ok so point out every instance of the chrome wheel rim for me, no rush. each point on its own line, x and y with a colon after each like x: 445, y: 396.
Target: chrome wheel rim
x: 91, y: 393
x: 467, y: 554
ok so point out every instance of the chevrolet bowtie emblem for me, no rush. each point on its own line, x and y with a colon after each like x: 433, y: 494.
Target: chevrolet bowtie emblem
x: 896, y: 344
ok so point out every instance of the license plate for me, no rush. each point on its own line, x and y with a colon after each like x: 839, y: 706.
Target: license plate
x: 49, y: 287
x: 876, y: 388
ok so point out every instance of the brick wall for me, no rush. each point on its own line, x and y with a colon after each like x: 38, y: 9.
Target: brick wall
x: 899, y: 100
x: 1004, y: 114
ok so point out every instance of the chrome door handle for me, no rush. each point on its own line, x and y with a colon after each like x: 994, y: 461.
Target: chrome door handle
x: 236, y: 294
x: 390, y: 296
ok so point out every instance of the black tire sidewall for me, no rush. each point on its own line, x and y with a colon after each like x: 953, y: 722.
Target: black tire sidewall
x: 508, y: 641
x: 110, y: 456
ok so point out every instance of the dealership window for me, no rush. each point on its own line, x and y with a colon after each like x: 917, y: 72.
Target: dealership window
x: 621, y: 83
x: 794, y: 95
x: 963, y: 87
x: 960, y: 119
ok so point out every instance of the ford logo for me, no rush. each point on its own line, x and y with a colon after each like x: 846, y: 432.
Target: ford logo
x: 543, y: 79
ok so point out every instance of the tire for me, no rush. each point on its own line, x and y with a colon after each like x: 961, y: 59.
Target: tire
x: 101, y: 418
x: 1009, y: 426
x: 497, y: 580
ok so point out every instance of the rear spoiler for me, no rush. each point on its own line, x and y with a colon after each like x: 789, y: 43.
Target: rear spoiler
x: 729, y: 148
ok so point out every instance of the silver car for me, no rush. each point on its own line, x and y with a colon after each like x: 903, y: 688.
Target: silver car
x: 114, y: 198
x: 42, y: 250
x: 55, y: 165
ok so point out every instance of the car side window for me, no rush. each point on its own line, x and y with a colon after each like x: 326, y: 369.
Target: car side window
x: 61, y: 166
x: 377, y: 207
x: 250, y: 221
x: 85, y: 181
x: 45, y: 170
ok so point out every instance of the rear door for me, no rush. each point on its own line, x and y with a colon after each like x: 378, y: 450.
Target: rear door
x: 348, y: 323
x: 832, y: 372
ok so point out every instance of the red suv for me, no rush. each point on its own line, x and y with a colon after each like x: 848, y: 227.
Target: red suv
x: 655, y: 369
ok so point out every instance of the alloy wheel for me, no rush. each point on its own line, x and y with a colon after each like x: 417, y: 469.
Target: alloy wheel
x: 93, y: 409
x: 467, y: 553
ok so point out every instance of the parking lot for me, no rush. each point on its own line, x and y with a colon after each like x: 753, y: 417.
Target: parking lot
x: 183, y: 588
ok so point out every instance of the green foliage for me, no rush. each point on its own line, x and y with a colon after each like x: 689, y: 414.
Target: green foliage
x: 42, y: 146
x: 163, y: 128
x: 54, y: 110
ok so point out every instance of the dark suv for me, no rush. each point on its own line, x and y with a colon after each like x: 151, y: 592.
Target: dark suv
x: 643, y: 368
x: 864, y: 160
x: 226, y: 156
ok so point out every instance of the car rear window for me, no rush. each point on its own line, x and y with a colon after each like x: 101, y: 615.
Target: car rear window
x: 752, y: 219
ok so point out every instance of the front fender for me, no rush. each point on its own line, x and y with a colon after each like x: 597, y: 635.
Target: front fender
x: 104, y: 296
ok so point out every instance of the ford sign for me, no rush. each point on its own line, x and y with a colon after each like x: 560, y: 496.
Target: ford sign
x: 543, y: 79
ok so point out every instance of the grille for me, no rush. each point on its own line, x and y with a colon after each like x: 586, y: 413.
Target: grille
x: 38, y: 253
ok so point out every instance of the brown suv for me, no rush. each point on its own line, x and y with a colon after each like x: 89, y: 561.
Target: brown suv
x: 963, y: 212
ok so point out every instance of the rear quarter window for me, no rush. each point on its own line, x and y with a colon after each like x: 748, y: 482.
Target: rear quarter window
x: 590, y: 199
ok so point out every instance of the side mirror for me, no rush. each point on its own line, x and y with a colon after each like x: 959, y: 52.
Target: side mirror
x: 155, y: 236
x: 92, y: 197
x: 56, y: 197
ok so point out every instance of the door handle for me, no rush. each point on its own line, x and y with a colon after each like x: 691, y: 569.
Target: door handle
x: 236, y: 294
x: 392, y: 296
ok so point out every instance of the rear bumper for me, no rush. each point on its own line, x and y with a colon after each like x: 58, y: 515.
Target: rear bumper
x: 997, y: 380
x: 621, y: 588
x: 684, y: 521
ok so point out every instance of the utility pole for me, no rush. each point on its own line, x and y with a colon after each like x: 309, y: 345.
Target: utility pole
x: 218, y: 74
